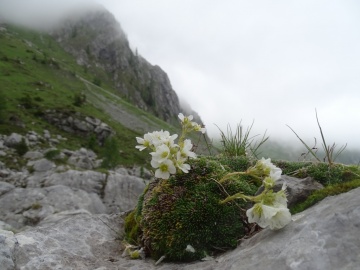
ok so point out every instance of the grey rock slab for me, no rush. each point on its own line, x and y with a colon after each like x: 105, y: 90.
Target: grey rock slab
x: 89, y: 181
x: 122, y: 192
x: 33, y: 155
x: 5, y: 187
x: 70, y: 241
x: 7, y: 246
x: 322, y: 237
x: 13, y: 139
x: 43, y: 165
x: 28, y: 206
x: 83, y: 159
x: 5, y: 226
x: 18, y: 179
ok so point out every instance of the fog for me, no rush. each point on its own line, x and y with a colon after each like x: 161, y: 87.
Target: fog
x: 272, y: 62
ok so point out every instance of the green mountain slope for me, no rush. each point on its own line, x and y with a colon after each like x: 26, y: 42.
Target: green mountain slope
x: 36, y: 75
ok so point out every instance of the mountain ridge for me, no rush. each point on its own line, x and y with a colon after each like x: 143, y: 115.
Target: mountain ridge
x: 95, y: 38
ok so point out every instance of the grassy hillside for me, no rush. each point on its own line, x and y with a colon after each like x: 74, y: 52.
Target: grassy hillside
x: 36, y: 75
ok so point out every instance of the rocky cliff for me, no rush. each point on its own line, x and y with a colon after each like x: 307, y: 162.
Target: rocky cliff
x: 95, y: 38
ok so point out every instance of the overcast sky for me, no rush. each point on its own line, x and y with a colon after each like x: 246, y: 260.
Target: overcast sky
x: 269, y: 61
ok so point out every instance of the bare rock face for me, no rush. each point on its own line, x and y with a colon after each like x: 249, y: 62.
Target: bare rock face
x: 321, y: 237
x: 79, y: 124
x: 122, y: 192
x: 89, y: 181
x: 13, y: 140
x: 95, y: 38
x: 28, y: 206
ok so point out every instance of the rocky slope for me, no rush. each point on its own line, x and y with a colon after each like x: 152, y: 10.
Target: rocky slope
x: 321, y: 237
x: 64, y: 214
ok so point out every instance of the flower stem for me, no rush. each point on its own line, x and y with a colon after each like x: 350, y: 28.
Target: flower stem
x: 240, y: 195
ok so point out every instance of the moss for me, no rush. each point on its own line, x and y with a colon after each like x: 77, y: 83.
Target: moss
x: 52, y: 154
x: 36, y: 206
x: 21, y: 148
x: 319, y: 195
x: 326, y: 174
x: 291, y: 168
x: 322, y: 172
x: 237, y: 164
x: 132, y: 230
x: 185, y: 210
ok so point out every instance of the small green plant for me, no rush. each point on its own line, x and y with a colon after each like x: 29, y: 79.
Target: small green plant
x: 52, y: 154
x: 36, y: 205
x: 240, y: 143
x: 27, y: 102
x: 110, y: 153
x: 79, y: 99
x: 92, y: 143
x: 330, y: 154
x: 21, y: 148
x: 3, y: 106
x: 97, y: 81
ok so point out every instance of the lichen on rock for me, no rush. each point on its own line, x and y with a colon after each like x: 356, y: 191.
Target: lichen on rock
x: 184, y: 210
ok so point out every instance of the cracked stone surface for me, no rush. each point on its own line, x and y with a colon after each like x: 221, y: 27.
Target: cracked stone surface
x: 322, y: 237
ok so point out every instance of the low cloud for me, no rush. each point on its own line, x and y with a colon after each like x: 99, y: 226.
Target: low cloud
x: 41, y: 14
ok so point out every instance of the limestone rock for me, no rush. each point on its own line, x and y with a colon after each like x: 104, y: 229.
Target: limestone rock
x: 5, y: 187
x: 13, y: 140
x: 7, y: 246
x: 122, y: 192
x: 43, y: 165
x: 89, y: 181
x: 33, y: 155
x: 83, y: 159
x: 28, y: 206
x: 76, y: 123
x: 321, y: 237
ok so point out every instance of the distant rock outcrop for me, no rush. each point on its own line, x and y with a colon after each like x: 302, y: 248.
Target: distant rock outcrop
x: 95, y: 38
x: 79, y: 124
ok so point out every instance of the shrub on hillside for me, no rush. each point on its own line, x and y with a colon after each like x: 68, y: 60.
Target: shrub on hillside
x: 110, y: 153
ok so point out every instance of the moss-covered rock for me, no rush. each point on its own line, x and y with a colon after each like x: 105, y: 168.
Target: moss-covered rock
x: 319, y: 195
x: 185, y: 210
x: 322, y: 172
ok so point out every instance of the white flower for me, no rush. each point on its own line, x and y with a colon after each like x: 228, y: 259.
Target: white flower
x: 162, y: 153
x: 189, y: 248
x: 276, y: 216
x: 280, y: 196
x: 185, y: 119
x: 269, y: 168
x: 185, y: 149
x: 269, y: 182
x: 165, y: 168
x: 158, y: 137
x: 255, y: 215
x: 198, y: 127
x: 280, y: 219
x: 180, y: 163
x: 145, y: 142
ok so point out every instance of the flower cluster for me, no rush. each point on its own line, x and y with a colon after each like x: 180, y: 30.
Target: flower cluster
x: 270, y: 209
x: 167, y: 156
